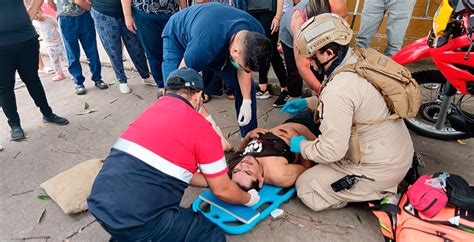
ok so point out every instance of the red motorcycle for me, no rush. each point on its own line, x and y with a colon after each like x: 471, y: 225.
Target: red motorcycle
x: 447, y: 101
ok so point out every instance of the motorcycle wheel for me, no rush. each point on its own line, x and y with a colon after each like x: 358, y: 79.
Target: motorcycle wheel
x: 431, y: 85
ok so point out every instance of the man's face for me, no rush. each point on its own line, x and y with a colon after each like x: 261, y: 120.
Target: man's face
x: 236, y: 56
x: 322, y: 57
x: 237, y: 62
x: 247, y: 171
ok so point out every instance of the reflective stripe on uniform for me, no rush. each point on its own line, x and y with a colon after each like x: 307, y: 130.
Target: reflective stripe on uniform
x: 153, y: 160
x: 214, y: 167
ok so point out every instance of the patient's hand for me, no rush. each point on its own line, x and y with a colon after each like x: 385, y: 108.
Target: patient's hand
x: 250, y: 135
x: 307, y: 163
x: 257, y: 133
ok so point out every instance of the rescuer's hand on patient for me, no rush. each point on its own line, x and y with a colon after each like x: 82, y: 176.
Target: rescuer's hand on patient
x: 245, y: 114
x: 295, y: 106
x: 295, y: 143
x: 254, y: 198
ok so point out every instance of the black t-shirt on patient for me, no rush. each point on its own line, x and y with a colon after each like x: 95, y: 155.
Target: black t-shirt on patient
x: 269, y: 144
x: 266, y: 145
x: 15, y: 23
x: 111, y: 8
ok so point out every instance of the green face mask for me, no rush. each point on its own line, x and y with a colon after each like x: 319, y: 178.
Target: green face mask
x: 236, y: 65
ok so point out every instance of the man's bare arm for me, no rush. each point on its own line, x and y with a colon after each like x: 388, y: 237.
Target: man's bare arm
x: 288, y: 175
x: 84, y: 4
x: 245, y: 83
x: 198, y: 180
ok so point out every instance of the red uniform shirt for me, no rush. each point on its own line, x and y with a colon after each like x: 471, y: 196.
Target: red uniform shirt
x: 180, y: 136
x: 152, y: 163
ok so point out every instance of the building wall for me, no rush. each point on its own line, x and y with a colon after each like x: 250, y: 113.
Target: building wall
x: 420, y: 23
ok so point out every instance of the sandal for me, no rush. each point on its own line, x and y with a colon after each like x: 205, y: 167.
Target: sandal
x: 206, y: 98
x: 59, y: 77
x: 46, y: 70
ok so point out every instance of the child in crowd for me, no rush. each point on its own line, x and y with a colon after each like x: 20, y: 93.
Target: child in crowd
x: 47, y: 28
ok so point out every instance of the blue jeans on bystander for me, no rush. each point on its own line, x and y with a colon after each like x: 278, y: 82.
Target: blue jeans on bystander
x: 149, y: 29
x: 80, y: 29
x: 112, y: 31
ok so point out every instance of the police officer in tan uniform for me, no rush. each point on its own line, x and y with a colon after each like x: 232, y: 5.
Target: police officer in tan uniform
x: 381, y: 151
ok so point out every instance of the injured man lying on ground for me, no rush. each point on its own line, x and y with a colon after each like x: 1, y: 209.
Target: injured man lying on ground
x: 265, y: 157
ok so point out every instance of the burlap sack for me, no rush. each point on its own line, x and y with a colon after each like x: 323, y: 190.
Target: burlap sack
x: 70, y: 188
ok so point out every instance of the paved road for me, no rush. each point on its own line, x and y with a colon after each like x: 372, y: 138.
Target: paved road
x: 51, y: 149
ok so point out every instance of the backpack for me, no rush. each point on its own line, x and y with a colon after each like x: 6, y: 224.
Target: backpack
x: 394, y: 82
x: 399, y: 90
x: 403, y: 223
x: 425, y: 198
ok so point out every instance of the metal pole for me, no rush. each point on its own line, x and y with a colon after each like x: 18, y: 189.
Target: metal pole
x: 356, y: 8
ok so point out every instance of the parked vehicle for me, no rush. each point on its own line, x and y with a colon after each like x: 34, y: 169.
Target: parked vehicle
x: 447, y: 101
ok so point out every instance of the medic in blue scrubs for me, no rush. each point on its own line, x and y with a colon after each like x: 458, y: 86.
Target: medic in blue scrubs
x: 222, y: 40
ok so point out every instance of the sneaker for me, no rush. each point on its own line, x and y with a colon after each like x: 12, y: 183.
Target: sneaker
x: 149, y: 81
x: 17, y: 133
x: 55, y: 119
x: 101, y: 85
x: 124, y: 88
x: 263, y: 94
x: 59, y: 77
x: 282, y: 99
x: 80, y: 90
x: 230, y: 94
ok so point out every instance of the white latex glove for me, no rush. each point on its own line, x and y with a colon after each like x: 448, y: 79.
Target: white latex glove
x: 254, y: 198
x: 245, y: 114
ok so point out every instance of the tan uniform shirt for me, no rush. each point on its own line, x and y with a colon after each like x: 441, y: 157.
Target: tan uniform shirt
x: 386, y: 147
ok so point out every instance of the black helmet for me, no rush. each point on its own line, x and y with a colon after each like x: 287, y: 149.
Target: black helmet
x: 469, y: 5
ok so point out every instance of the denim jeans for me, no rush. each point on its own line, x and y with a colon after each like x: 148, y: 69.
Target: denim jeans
x: 21, y: 57
x: 112, y: 31
x: 173, y: 224
x: 173, y: 52
x: 149, y: 29
x: 80, y: 29
x: 398, y: 18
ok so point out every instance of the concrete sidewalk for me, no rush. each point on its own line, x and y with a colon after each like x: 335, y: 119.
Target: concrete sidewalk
x: 50, y: 149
